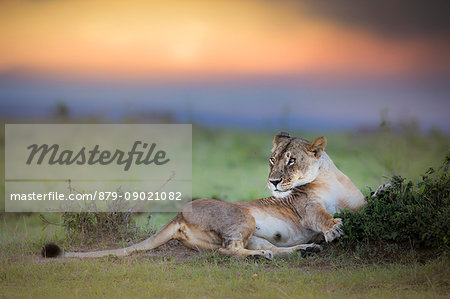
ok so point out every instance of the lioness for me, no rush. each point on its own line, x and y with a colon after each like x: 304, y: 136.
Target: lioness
x: 307, y: 189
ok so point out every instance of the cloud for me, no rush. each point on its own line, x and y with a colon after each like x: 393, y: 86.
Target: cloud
x: 392, y: 18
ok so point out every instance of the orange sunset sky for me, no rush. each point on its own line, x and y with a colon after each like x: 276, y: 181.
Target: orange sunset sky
x: 142, y: 38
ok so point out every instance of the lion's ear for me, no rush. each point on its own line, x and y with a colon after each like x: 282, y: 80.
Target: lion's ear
x: 318, y: 146
x: 278, y: 137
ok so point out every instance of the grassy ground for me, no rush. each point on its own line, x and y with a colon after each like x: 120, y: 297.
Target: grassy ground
x: 233, y: 166
x: 138, y: 276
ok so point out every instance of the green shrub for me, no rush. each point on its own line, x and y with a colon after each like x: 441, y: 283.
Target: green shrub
x: 415, y: 215
x: 106, y: 225
x: 100, y: 228
x: 89, y: 226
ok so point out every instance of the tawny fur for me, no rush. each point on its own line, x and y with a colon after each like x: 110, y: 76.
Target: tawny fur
x: 307, y: 188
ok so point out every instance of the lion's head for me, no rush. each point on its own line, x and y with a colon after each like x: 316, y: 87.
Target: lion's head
x: 294, y: 162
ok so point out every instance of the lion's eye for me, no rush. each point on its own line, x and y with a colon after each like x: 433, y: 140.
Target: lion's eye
x: 291, y: 161
x: 272, y: 161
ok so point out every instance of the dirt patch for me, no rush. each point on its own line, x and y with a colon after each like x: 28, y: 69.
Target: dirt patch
x: 173, y: 249
x: 329, y: 259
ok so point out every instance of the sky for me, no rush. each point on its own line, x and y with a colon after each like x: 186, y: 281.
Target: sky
x: 345, y: 60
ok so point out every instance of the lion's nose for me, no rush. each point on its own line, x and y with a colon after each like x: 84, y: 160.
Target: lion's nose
x: 275, y: 182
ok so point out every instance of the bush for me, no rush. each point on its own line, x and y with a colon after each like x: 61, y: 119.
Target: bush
x: 91, y: 226
x: 414, y: 215
x: 112, y: 226
x: 87, y: 229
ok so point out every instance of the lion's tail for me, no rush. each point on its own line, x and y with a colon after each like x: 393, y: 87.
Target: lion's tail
x: 165, y: 234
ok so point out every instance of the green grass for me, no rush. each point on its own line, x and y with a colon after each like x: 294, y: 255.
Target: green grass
x: 233, y: 166
x: 141, y: 277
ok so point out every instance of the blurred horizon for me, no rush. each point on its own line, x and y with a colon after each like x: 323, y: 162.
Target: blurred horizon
x: 249, y: 103
x: 244, y: 64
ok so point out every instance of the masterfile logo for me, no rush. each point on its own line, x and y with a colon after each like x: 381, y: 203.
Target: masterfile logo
x: 94, y: 156
x: 149, y: 164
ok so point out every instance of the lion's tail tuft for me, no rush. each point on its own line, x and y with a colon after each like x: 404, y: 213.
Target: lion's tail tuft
x: 51, y: 250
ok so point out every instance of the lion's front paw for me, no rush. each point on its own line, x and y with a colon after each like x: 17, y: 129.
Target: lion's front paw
x: 335, y: 231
